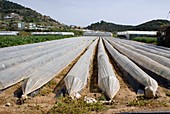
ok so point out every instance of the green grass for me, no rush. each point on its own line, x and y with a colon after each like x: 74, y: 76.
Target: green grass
x: 150, y: 40
x: 141, y: 101
x: 66, y: 105
x: 102, y: 98
x: 6, y: 41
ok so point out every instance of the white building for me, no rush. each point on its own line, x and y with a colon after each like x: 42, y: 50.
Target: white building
x: 32, y: 26
x: 19, y: 25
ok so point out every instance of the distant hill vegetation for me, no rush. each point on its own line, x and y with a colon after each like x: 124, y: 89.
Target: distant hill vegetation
x: 153, y: 25
x: 28, y: 15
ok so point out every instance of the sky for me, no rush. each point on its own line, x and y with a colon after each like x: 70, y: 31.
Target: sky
x: 85, y: 12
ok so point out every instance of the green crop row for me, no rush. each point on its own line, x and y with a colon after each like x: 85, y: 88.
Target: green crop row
x: 149, y: 40
x: 6, y: 41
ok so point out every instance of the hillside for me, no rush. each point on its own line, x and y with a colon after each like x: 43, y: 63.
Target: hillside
x: 28, y: 15
x: 105, y: 26
x: 150, y: 26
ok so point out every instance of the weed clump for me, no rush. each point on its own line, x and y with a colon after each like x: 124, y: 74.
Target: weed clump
x: 141, y: 101
x: 66, y: 105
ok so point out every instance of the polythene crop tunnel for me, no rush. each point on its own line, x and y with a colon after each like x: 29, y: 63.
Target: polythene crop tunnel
x: 142, y: 60
x: 47, y: 72
x: 131, y: 68
x: 107, y: 80
x: 77, y: 77
x: 38, y: 63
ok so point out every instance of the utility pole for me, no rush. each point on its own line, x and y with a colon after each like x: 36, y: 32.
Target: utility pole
x: 1, y: 9
x: 168, y: 15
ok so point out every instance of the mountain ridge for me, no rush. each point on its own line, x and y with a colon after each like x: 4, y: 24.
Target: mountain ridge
x: 29, y: 15
x: 152, y: 25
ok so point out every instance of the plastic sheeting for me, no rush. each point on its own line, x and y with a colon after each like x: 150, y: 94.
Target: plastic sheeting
x: 143, y: 61
x: 21, y: 71
x: 18, y: 72
x: 18, y: 51
x: 158, y: 47
x: 28, y: 56
x: 149, y: 46
x: 144, y: 47
x: 9, y: 33
x: 77, y: 77
x: 133, y: 70
x: 44, y: 74
x: 160, y: 59
x: 107, y: 80
x: 97, y: 33
x: 164, y: 50
x: 22, y: 47
x: 52, y: 33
